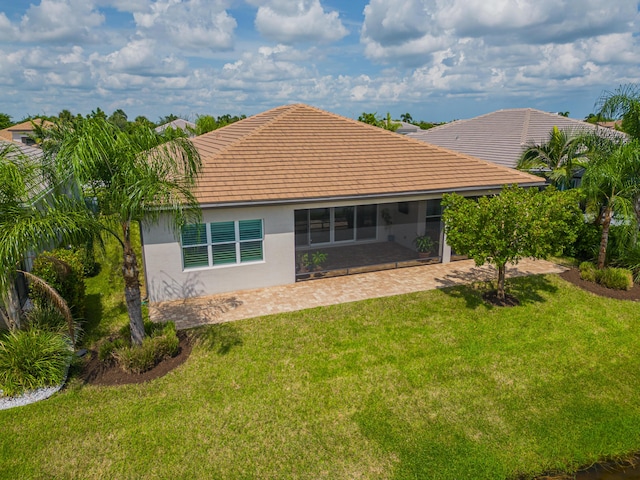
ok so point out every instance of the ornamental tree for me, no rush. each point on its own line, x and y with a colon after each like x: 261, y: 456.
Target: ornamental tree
x: 517, y: 223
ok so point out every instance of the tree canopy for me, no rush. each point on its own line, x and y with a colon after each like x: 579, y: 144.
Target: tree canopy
x: 377, y: 121
x: 128, y: 177
x: 5, y: 121
x: 515, y: 224
x: 611, y: 184
x: 622, y: 103
x: 31, y: 219
x: 558, y: 159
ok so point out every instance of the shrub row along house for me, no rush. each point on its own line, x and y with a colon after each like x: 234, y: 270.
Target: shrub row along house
x: 294, y: 184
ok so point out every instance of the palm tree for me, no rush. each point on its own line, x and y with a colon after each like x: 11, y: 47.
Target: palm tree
x: 129, y: 178
x: 624, y: 103
x: 557, y: 159
x: 32, y: 218
x: 612, y: 186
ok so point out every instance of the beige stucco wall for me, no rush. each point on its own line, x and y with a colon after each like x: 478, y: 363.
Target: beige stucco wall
x: 166, y: 279
x: 162, y: 254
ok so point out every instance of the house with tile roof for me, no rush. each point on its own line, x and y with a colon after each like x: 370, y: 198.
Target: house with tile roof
x: 501, y: 136
x: 178, y: 124
x: 296, y: 191
x: 22, y: 132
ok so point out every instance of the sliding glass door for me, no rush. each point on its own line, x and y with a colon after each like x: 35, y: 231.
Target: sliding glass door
x: 327, y: 225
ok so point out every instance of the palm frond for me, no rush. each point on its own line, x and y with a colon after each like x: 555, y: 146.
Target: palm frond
x: 56, y: 299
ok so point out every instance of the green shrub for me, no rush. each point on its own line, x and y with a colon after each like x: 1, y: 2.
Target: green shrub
x: 89, y: 263
x: 32, y: 359
x: 588, y: 271
x: 136, y: 359
x: 616, y: 278
x: 108, y: 347
x: 630, y: 260
x: 63, y: 270
x: 49, y: 318
x: 162, y: 343
x: 587, y: 242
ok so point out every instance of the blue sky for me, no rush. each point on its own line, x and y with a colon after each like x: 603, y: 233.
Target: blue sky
x: 436, y: 59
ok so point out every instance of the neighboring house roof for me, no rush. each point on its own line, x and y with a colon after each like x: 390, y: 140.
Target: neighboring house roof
x: 178, y: 123
x: 613, y: 125
x: 406, y: 127
x: 297, y: 153
x: 501, y: 136
x: 20, y: 153
x: 24, y: 128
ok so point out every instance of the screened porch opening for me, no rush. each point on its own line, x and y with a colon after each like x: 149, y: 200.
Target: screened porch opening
x: 342, y: 240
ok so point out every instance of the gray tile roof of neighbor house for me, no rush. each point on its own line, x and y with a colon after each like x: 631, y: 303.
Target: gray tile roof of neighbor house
x: 175, y: 124
x: 501, y: 136
x: 21, y: 154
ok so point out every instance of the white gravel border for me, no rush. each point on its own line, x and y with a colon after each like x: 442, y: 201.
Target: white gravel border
x: 32, y: 396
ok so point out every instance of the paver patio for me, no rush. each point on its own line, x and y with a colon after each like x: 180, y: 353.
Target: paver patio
x: 243, y: 304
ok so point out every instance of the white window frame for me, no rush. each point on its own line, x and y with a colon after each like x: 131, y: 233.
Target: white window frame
x: 237, y: 242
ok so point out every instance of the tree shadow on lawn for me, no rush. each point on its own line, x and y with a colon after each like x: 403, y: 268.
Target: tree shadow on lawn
x: 95, y: 323
x: 221, y: 337
x: 527, y: 290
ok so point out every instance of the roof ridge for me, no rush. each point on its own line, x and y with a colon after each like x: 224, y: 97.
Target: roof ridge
x: 234, y: 126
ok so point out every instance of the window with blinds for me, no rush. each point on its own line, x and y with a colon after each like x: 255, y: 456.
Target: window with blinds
x: 222, y: 243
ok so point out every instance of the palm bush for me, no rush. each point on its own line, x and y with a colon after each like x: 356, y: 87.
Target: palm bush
x: 610, y: 277
x: 63, y: 270
x: 162, y: 343
x: 616, y: 278
x: 630, y: 259
x: 588, y: 272
x: 48, y: 317
x: 31, y: 359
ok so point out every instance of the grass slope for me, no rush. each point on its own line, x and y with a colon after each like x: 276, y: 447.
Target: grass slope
x: 427, y: 385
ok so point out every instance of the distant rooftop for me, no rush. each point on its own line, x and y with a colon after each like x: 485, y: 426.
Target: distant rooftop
x: 501, y: 136
x: 175, y: 124
x: 15, y: 133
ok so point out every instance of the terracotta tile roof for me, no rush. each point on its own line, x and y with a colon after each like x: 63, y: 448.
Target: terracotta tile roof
x: 7, y: 133
x: 298, y: 152
x: 500, y: 136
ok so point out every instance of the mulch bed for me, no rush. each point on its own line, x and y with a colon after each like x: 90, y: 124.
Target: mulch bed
x: 573, y: 276
x: 95, y: 372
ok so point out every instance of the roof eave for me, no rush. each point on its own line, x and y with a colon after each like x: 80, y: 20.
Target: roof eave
x: 290, y: 201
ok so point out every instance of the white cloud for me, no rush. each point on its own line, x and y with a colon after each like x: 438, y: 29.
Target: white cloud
x: 297, y: 21
x: 158, y: 56
x: 398, y: 29
x: 60, y: 21
x: 190, y: 25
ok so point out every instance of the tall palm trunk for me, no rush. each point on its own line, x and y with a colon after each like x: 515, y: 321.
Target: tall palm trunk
x: 604, y: 239
x: 131, y: 275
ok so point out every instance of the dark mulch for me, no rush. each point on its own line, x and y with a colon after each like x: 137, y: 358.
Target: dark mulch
x: 95, y: 372
x: 573, y: 276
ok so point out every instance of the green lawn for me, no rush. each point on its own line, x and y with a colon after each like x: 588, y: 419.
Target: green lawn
x: 428, y: 385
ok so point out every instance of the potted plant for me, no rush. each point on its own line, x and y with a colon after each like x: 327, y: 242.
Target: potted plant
x: 317, y: 259
x: 424, y: 244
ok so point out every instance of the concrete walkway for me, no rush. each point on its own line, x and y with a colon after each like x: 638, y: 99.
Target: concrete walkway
x: 243, y: 304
